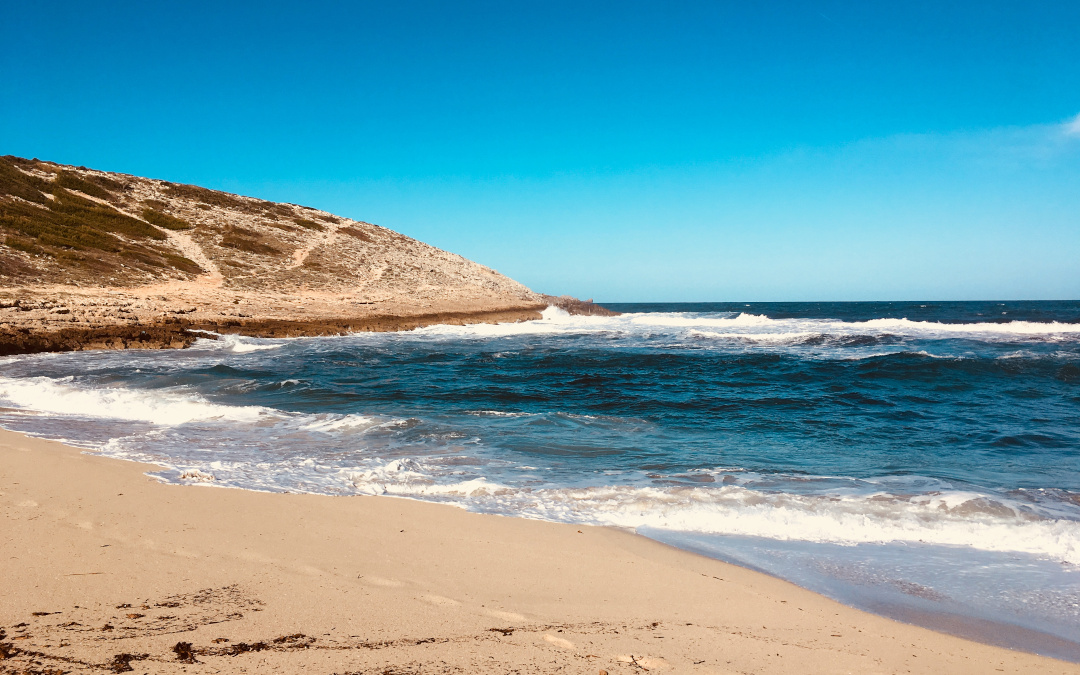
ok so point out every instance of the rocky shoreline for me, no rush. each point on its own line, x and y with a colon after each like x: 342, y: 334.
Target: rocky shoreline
x: 182, y: 333
x: 27, y: 341
x: 176, y: 332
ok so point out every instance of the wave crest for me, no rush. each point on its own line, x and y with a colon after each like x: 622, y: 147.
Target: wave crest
x: 162, y: 407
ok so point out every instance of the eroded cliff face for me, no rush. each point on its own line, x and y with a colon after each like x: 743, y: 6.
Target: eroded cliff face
x: 105, y: 256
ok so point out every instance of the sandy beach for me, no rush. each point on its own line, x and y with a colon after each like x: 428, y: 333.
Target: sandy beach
x: 586, y: 338
x: 108, y: 570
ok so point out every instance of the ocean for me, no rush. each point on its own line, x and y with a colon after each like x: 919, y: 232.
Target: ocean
x: 917, y: 460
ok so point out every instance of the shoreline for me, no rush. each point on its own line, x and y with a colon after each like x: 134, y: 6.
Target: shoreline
x: 117, y: 565
x: 178, y: 333
x: 47, y: 325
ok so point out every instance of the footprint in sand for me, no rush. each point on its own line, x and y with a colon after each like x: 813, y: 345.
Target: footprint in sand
x: 505, y: 616
x: 440, y: 601
x: 558, y: 641
x: 381, y: 581
x: 251, y: 556
x: 648, y: 662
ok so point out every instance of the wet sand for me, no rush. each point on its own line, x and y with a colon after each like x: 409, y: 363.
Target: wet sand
x: 105, y: 569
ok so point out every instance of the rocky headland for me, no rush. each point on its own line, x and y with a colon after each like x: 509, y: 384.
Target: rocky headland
x: 98, y: 260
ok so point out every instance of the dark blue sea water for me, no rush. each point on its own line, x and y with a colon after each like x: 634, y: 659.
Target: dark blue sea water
x: 920, y: 460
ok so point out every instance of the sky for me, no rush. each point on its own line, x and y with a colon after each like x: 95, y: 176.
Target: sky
x: 623, y: 151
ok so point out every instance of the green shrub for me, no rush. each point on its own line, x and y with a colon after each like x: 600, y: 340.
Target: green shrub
x: 21, y: 161
x: 85, y: 213
x: 213, y: 198
x: 80, y: 233
x: 144, y: 257
x: 70, y: 181
x: 108, y: 183
x: 73, y: 222
x: 250, y: 245
x: 15, y: 182
x: 274, y: 210
x: 54, y: 229
x: 183, y: 264
x: 354, y: 232
x: 24, y: 245
x: 165, y: 220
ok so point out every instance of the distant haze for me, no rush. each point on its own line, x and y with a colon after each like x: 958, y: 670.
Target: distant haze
x: 626, y: 151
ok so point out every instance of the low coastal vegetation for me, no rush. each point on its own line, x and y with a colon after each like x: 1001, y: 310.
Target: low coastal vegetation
x: 162, y: 219
x: 355, y: 232
x: 308, y: 224
x: 68, y: 180
x: 71, y: 218
x: 242, y: 239
x: 223, y: 200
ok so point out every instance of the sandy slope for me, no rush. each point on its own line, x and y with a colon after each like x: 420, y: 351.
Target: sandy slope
x: 105, y: 569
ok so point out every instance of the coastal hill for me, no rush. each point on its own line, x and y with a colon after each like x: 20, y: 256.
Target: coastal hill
x: 92, y: 259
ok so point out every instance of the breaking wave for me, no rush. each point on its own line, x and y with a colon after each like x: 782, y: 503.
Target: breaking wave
x: 65, y: 397
x: 942, y: 517
x: 754, y: 328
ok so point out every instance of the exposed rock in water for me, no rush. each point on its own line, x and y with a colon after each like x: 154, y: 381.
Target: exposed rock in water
x: 579, y: 307
x: 27, y: 341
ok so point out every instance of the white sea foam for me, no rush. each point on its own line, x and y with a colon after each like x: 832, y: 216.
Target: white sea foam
x: 938, y: 517
x: 753, y: 327
x: 949, y: 518
x: 763, y: 326
x: 330, y: 423
x: 242, y: 347
x: 553, y: 320
x: 755, y: 337
x: 407, y: 478
x: 499, y: 413
x: 163, y: 407
x: 958, y: 519
x: 238, y: 344
x: 877, y: 354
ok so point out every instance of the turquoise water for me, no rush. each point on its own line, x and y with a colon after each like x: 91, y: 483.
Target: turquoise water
x: 919, y: 460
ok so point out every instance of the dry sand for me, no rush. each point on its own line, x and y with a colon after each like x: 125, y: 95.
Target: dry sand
x: 104, y: 569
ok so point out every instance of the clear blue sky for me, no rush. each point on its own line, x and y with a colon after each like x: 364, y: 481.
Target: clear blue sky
x: 617, y: 150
